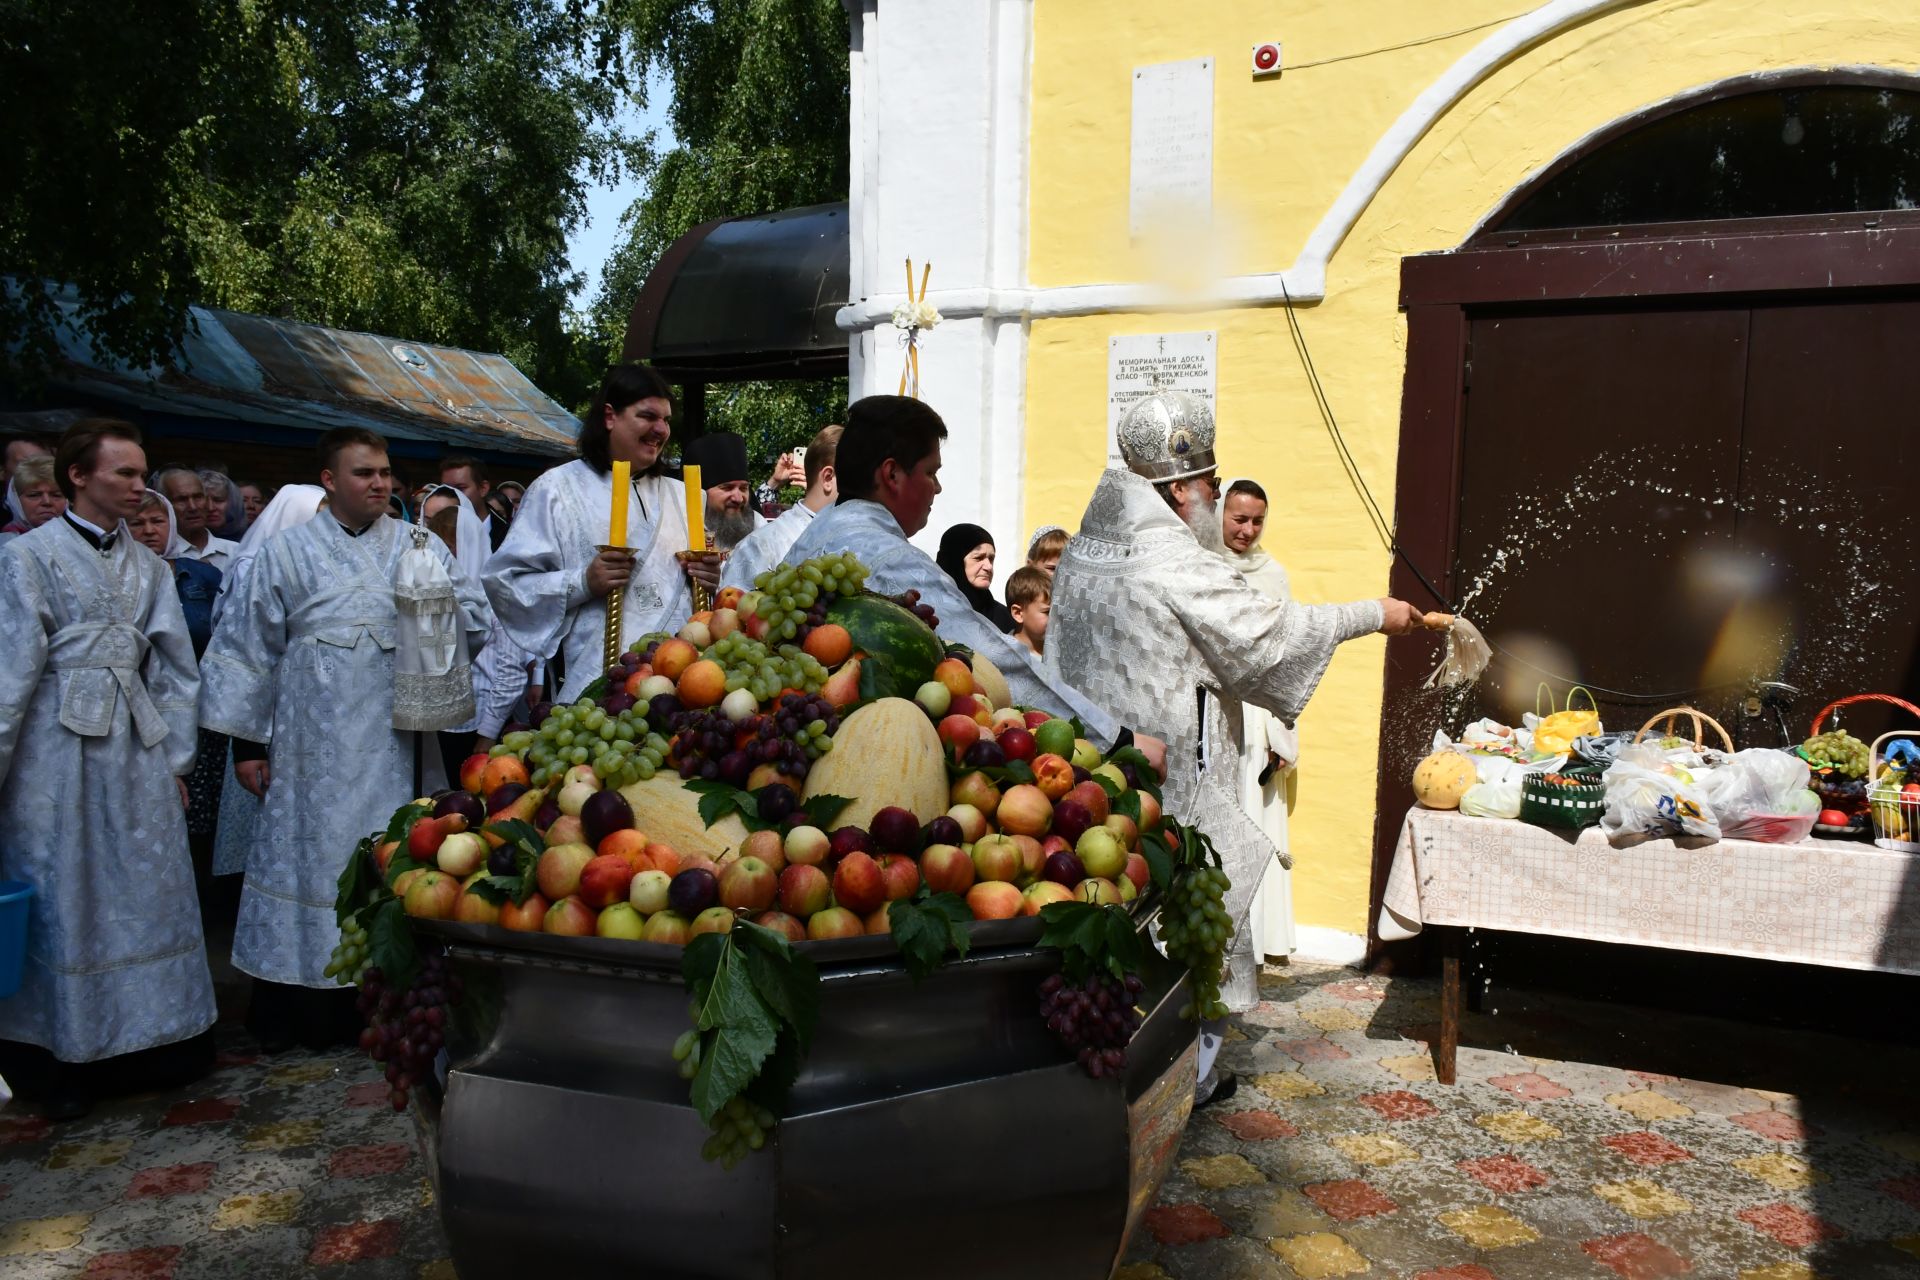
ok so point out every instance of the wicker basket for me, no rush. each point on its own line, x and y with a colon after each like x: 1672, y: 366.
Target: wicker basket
x: 1896, y: 816
x: 1701, y: 722
x: 1832, y: 707
x: 1571, y: 808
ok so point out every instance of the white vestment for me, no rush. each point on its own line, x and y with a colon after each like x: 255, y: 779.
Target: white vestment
x: 537, y: 580
x: 96, y: 722
x: 303, y: 659
x: 869, y: 531
x: 1261, y: 732
x: 765, y: 547
x: 1172, y: 640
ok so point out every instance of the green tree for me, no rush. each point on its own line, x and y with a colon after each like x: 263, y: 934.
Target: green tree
x: 402, y: 166
x: 759, y: 123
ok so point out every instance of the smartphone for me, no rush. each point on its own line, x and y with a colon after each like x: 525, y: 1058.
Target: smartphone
x: 800, y: 456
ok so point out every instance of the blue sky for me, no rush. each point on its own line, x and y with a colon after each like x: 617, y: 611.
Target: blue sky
x: 594, y: 239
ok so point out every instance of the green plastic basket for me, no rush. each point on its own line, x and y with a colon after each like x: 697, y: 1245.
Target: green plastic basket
x: 1569, y: 808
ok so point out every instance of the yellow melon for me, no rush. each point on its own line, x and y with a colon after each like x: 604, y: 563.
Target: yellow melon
x: 886, y: 753
x: 669, y: 814
x: 1442, y: 778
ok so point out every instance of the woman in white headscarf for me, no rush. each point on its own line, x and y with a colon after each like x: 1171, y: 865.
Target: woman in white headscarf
x: 1269, y: 748
x: 501, y: 671
x: 293, y: 506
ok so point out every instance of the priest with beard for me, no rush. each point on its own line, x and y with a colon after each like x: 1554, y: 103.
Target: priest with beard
x: 1153, y: 624
x: 722, y: 459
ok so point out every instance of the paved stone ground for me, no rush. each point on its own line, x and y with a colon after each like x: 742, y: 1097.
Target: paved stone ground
x: 1584, y: 1140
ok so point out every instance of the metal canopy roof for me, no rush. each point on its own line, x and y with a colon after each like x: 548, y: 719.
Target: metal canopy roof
x: 278, y: 372
x: 741, y: 298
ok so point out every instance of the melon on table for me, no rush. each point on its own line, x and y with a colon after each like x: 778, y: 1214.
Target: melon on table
x: 886, y: 753
x: 1442, y: 778
x: 987, y: 679
x: 669, y: 814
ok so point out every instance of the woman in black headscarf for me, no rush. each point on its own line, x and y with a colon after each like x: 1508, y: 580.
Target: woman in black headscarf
x: 966, y: 553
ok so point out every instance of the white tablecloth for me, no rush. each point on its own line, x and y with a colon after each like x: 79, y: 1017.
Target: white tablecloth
x: 1834, y: 902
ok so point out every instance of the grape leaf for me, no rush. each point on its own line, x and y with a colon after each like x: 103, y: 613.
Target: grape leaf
x: 1159, y: 863
x: 1088, y: 937
x: 1145, y: 775
x: 515, y: 832
x: 718, y: 799
x: 738, y: 1030
x: 596, y: 690
x: 957, y: 650
x: 1127, y: 805
x: 402, y: 821
x: 358, y: 883
x: 823, y: 810
x: 786, y: 980
x: 499, y: 890
x: 390, y: 945
x: 1113, y: 789
x: 923, y: 929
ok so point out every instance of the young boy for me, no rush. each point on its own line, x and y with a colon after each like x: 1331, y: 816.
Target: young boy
x: 1029, y: 599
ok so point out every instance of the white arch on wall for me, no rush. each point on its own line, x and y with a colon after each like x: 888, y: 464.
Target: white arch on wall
x: 1306, y: 279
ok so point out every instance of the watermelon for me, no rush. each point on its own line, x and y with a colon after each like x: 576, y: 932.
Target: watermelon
x: 902, y: 650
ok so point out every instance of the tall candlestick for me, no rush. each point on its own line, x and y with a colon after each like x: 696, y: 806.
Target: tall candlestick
x: 622, y: 490
x: 696, y: 509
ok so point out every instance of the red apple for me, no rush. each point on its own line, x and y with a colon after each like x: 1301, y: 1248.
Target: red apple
x: 955, y: 674
x: 1040, y: 894
x: 947, y: 869
x: 383, y: 854
x: 471, y: 771
x: 1124, y: 830
x: 805, y: 890
x: 835, y: 922
x: 629, y: 844
x: 405, y: 881
x: 664, y: 858
x: 748, y: 885
x: 570, y: 918
x: 958, y: 733
x: 993, y: 900
x: 565, y: 829
x: 857, y: 883
x: 605, y: 880
x: 1094, y: 796
x: 669, y: 927
x: 558, y: 871
x: 1070, y: 818
x: 901, y: 874
x: 471, y: 908
x: 977, y: 789
x: 879, y: 922
x: 998, y: 858
x: 783, y: 924
x: 768, y: 846
x: 972, y: 824
x: 432, y: 896
x: 1053, y: 775
x: 1032, y: 858
x: 1094, y: 889
x: 1138, y: 872
x: 1054, y: 844
x: 1036, y: 718
x: 1025, y: 811
x: 971, y: 708
x: 461, y: 854
x: 1017, y: 743
x: 525, y: 918
x: 1149, y: 812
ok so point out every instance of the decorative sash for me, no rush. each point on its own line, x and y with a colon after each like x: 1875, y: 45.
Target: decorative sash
x: 103, y: 660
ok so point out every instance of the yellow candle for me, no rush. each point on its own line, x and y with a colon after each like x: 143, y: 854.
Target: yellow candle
x: 696, y: 509
x: 622, y: 489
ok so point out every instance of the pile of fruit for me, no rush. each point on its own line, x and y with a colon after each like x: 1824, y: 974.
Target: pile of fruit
x: 1838, y: 761
x: 853, y: 772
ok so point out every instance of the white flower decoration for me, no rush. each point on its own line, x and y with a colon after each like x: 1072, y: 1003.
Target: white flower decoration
x: 916, y: 315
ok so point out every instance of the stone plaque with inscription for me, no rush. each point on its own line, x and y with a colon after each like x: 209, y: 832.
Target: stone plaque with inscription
x: 1171, y: 163
x: 1139, y: 363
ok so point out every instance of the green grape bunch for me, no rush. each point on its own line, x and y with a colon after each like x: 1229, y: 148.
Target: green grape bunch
x: 348, y: 963
x: 740, y: 1126
x: 794, y: 597
x: 1195, y: 929
x: 619, y: 746
x: 1838, y: 750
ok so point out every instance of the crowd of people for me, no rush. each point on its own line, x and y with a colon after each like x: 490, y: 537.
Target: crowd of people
x: 217, y: 687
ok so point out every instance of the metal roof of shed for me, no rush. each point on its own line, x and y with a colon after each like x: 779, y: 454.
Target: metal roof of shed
x: 280, y: 372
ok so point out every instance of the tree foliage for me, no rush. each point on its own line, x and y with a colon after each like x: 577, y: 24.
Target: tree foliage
x: 402, y: 166
x: 759, y: 121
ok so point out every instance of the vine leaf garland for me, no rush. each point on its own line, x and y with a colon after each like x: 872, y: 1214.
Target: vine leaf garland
x: 925, y: 926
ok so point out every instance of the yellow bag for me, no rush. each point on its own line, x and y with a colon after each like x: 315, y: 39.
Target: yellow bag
x: 1555, y: 732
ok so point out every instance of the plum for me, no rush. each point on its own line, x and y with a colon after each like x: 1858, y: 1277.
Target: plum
x: 1064, y: 867
x: 604, y: 813
x: 985, y: 754
x: 464, y: 803
x: 503, y: 795
x: 693, y: 891
x: 777, y: 801
x: 943, y: 830
x: 896, y: 830
x: 846, y: 840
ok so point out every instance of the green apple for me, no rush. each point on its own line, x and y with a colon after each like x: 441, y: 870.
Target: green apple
x: 1112, y: 773
x: 620, y: 920
x: 1085, y: 754
x: 1101, y: 853
x: 1054, y: 737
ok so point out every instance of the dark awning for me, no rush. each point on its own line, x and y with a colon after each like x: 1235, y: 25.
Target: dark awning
x: 741, y: 298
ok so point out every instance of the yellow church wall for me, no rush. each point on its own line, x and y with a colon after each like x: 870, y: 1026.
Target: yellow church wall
x: 1283, y: 151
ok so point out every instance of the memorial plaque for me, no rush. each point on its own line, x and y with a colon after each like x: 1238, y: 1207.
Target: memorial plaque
x: 1171, y: 163
x: 1139, y: 363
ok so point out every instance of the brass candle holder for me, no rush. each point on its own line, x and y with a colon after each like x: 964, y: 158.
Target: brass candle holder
x: 702, y: 598
x: 616, y: 599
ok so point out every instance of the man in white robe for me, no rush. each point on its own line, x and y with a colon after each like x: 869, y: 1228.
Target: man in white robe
x: 302, y: 666
x: 549, y: 581
x: 97, y: 730
x: 1269, y: 747
x: 1151, y: 622
x: 889, y: 466
x: 729, y: 517
x: 768, y: 545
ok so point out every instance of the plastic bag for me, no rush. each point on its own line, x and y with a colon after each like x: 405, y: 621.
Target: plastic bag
x: 1647, y: 795
x: 1753, y: 784
x: 1493, y: 799
x: 1555, y: 733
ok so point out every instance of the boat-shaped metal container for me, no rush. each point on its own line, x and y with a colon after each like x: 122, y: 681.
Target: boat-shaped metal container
x: 937, y: 1130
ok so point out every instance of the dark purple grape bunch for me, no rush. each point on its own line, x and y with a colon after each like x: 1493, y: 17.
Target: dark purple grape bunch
x: 806, y: 721
x: 1095, y: 1018
x: 406, y: 1029
x: 703, y: 739
x: 910, y: 601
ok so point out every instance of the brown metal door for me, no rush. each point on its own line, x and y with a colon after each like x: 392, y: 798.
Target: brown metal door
x: 1601, y: 461
x: 1827, y: 519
